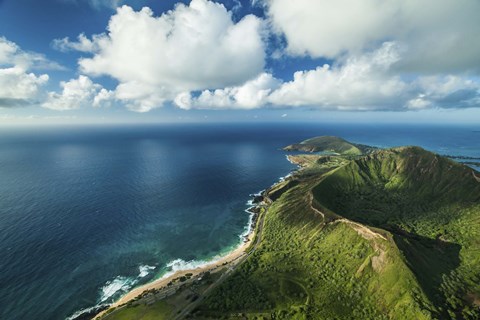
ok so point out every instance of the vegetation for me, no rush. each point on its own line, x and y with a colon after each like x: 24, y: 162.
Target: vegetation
x: 306, y: 269
x: 330, y: 144
x: 431, y: 205
x: 390, y: 234
x: 159, y: 310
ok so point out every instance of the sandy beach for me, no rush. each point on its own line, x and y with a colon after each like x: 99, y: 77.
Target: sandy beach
x: 212, y: 266
x: 229, y: 260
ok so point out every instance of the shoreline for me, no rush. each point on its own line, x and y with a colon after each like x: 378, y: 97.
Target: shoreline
x: 162, y: 283
x: 216, y: 264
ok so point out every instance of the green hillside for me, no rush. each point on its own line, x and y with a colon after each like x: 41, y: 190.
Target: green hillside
x: 330, y: 144
x: 392, y: 235
x: 431, y: 206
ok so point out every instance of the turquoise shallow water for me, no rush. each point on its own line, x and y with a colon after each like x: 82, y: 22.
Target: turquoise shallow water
x: 86, y: 213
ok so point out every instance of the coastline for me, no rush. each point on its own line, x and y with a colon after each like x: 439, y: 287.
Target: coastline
x: 217, y: 263
x: 162, y: 283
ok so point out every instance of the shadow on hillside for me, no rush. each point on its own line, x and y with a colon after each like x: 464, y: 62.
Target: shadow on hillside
x: 429, y: 260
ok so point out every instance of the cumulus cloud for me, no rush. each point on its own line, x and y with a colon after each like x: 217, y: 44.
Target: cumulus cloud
x: 194, y: 47
x: 440, y: 35
x: 359, y: 83
x: 12, y: 55
x: 445, y: 92
x: 252, y: 94
x: 394, y: 55
x: 370, y: 81
x: 366, y: 81
x: 83, y: 44
x: 141, y: 97
x: 18, y: 86
x: 103, y: 98
x: 77, y: 93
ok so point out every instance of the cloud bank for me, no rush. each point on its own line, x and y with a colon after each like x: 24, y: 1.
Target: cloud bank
x: 440, y: 35
x: 18, y: 86
x: 190, y: 48
x: 77, y: 93
x: 363, y: 82
x: 395, y: 55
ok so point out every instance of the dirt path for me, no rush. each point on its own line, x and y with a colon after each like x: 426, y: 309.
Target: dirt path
x: 313, y: 208
x: 362, y: 230
x: 378, y: 260
x: 475, y: 176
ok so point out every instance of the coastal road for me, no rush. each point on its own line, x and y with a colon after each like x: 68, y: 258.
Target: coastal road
x: 230, y: 269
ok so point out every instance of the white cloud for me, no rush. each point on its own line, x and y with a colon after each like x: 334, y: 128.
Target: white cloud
x: 360, y: 83
x: 18, y: 86
x: 83, y: 44
x: 141, y: 97
x: 193, y: 47
x: 252, y: 94
x: 12, y: 55
x: 394, y: 55
x: 440, y: 35
x: 77, y: 93
x: 328, y: 28
x: 445, y: 92
x: 103, y: 98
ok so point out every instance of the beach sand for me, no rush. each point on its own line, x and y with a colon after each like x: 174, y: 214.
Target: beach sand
x: 226, y: 261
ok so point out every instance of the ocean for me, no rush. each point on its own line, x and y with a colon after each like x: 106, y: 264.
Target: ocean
x: 87, y: 213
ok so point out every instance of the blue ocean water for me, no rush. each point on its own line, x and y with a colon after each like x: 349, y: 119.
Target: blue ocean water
x: 86, y: 213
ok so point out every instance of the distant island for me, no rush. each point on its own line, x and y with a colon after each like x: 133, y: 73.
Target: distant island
x: 330, y: 144
x: 356, y: 232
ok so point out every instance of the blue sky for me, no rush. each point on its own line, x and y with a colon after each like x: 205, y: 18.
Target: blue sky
x: 114, y: 61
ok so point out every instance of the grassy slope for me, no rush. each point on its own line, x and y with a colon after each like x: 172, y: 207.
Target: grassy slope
x: 159, y: 310
x: 306, y: 269
x: 432, y: 207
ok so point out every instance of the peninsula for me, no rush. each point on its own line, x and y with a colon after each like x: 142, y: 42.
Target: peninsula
x: 355, y: 233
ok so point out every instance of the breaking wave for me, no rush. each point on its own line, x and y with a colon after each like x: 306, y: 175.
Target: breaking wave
x: 112, y: 289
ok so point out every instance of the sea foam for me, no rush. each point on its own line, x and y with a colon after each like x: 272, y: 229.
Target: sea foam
x: 145, y: 270
x: 118, y: 284
x: 91, y: 310
x: 113, y: 288
x: 180, y: 265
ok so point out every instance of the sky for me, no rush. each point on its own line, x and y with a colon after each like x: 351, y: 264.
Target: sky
x: 146, y: 61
